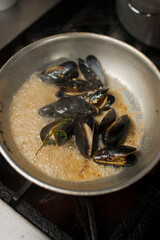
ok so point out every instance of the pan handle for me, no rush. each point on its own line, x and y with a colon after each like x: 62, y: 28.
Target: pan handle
x: 137, y: 11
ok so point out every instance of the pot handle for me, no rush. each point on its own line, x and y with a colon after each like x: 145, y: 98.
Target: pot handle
x: 143, y: 14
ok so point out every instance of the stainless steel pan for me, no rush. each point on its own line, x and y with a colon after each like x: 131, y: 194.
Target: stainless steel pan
x: 131, y: 69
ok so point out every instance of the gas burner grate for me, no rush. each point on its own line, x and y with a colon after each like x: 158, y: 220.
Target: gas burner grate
x: 140, y: 221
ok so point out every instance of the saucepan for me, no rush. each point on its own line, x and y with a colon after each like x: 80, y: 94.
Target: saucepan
x: 141, y: 19
x: 133, y: 75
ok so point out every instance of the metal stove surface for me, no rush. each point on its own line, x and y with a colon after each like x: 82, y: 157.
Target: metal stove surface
x: 132, y: 213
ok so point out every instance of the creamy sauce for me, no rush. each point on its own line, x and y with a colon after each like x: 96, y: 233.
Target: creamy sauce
x: 64, y: 162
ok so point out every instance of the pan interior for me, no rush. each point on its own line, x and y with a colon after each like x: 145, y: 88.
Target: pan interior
x: 126, y: 69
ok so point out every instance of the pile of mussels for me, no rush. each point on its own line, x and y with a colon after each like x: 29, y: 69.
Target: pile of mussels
x: 74, y: 112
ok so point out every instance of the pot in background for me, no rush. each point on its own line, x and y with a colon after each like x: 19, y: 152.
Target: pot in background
x: 7, y: 4
x: 141, y: 19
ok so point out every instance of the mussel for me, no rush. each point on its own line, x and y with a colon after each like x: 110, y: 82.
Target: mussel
x: 58, y: 131
x: 72, y: 106
x: 96, y: 96
x: 99, y: 98
x: 74, y: 87
x: 89, y: 74
x: 107, y: 120
x: 85, y: 135
x: 110, y: 99
x: 93, y: 62
x: 120, y: 155
x: 117, y: 132
x: 57, y: 73
x: 70, y: 65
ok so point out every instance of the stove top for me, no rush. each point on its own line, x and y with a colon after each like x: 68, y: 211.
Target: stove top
x: 131, y: 213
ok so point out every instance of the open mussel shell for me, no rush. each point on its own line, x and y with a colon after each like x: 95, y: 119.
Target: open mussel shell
x: 85, y: 135
x: 117, y: 132
x: 72, y: 106
x: 74, y: 87
x: 89, y: 74
x: 56, y: 73
x: 97, y: 97
x: 58, y: 131
x: 108, y: 119
x: 109, y: 100
x: 94, y: 63
x: 120, y: 155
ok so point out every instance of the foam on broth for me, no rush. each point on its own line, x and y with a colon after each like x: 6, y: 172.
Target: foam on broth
x: 64, y: 162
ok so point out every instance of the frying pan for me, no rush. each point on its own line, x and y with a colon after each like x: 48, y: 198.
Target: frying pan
x: 132, y: 73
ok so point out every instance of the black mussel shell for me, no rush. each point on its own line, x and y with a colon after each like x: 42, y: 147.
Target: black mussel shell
x: 107, y: 120
x: 74, y: 87
x: 85, y: 135
x: 117, y: 132
x: 72, y: 106
x: 46, y: 129
x: 70, y: 65
x: 97, y: 97
x: 58, y: 131
x: 116, y: 155
x: 89, y: 74
x: 56, y: 73
x: 110, y: 99
x: 94, y: 63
